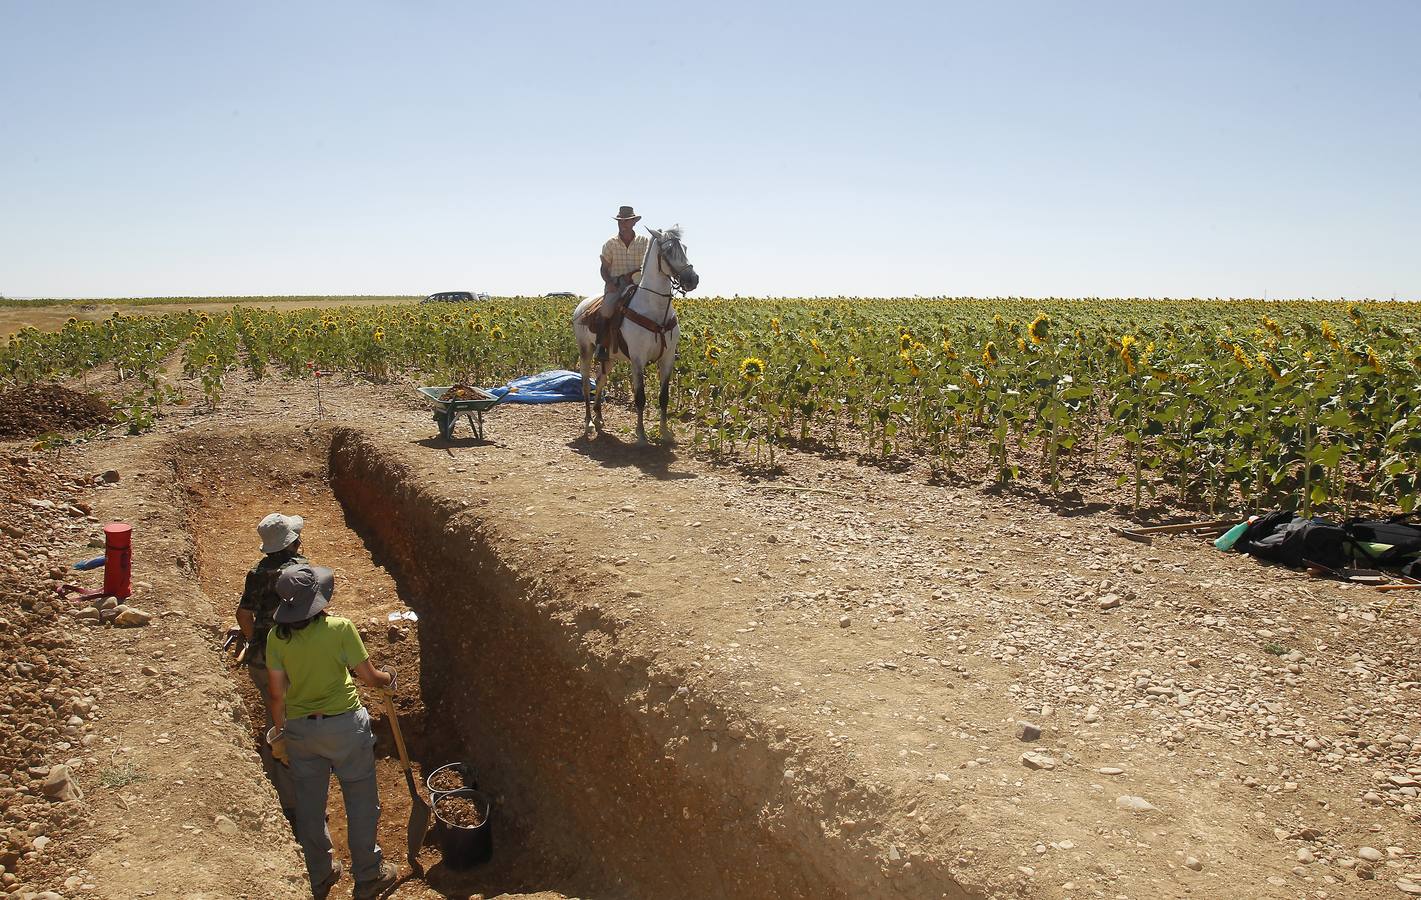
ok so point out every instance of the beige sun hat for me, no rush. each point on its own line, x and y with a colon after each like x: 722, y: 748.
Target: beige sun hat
x: 279, y: 532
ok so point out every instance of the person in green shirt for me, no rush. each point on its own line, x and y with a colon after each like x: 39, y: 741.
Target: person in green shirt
x: 319, y: 718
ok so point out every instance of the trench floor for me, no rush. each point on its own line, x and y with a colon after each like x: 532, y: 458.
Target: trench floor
x: 229, y: 495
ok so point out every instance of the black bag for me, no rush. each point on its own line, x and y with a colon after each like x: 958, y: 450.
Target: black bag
x: 1290, y: 539
x: 1404, y: 538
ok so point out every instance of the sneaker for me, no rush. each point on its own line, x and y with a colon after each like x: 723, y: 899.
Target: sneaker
x: 368, y: 890
x: 321, y: 890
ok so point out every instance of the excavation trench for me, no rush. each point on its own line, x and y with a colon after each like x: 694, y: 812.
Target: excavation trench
x: 594, y: 797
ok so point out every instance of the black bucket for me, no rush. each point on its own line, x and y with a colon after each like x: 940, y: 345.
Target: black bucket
x: 463, y: 846
x: 461, y: 770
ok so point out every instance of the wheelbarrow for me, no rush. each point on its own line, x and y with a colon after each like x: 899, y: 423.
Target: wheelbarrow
x: 463, y: 400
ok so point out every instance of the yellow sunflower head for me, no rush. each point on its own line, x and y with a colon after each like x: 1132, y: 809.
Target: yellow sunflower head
x: 1129, y: 353
x: 752, y: 368
x: 1040, y: 328
x: 990, y: 356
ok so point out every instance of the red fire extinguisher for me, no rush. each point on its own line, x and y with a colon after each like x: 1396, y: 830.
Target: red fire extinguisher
x: 118, y: 560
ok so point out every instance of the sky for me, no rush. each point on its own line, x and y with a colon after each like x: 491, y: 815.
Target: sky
x: 1141, y: 148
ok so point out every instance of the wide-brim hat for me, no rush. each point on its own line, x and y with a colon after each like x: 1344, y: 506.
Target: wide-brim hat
x: 304, y: 590
x: 279, y: 532
x: 626, y: 213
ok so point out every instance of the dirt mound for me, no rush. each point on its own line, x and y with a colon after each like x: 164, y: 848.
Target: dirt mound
x: 36, y: 409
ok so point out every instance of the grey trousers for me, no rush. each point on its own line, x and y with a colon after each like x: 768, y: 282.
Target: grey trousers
x: 343, y: 744
x: 280, y: 775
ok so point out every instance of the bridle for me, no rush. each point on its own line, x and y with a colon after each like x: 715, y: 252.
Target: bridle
x: 675, y: 281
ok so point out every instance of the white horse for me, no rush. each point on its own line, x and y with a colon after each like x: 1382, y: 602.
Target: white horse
x: 649, y: 330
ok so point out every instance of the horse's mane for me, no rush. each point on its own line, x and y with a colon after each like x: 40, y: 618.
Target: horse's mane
x: 675, y: 231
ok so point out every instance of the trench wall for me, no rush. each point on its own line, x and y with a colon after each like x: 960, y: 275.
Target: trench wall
x: 603, y: 755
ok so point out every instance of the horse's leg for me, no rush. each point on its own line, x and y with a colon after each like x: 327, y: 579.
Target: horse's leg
x: 639, y: 388
x: 586, y: 368
x: 664, y: 365
x: 603, y: 368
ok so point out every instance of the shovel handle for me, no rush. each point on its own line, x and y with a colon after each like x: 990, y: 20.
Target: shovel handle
x: 395, y: 727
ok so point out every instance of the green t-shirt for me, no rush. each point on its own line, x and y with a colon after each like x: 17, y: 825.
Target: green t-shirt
x: 317, y: 661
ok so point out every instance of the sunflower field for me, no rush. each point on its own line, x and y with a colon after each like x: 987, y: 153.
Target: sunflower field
x: 1222, y: 404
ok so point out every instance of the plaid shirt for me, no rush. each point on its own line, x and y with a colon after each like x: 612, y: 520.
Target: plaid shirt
x: 623, y: 259
x: 259, y: 597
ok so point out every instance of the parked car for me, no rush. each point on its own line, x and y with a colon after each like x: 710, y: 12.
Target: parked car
x: 560, y: 295
x: 454, y: 297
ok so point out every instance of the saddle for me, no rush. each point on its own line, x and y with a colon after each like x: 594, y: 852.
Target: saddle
x: 604, y: 323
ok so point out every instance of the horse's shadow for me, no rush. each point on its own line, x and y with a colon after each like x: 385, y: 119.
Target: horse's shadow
x: 612, y: 452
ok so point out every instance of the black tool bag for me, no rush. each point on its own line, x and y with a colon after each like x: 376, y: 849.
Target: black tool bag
x: 1290, y: 539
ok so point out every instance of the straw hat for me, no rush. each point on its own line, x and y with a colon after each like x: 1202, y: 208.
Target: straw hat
x: 626, y: 213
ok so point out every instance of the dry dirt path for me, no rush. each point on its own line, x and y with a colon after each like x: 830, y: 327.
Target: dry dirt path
x: 853, y: 663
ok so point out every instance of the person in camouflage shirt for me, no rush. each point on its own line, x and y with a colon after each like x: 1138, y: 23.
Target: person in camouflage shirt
x: 256, y: 614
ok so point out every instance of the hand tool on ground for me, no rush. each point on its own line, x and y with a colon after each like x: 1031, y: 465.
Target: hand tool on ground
x: 1145, y: 535
x: 419, y: 809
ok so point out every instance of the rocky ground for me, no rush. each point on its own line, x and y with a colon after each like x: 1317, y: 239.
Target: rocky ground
x: 1044, y: 708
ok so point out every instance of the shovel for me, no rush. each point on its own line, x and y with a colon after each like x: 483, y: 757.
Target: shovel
x: 419, y: 809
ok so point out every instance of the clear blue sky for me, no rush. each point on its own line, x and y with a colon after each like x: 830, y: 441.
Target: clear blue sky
x: 1032, y: 148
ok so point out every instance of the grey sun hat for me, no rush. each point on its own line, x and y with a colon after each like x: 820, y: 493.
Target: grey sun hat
x: 304, y: 590
x: 279, y: 532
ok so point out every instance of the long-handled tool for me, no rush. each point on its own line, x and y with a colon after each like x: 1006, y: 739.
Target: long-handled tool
x: 419, y: 809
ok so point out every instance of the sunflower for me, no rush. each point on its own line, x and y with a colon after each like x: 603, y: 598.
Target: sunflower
x: 211, y: 359
x: 379, y: 335
x: 1129, y: 354
x: 752, y: 369
x: 972, y: 377
x: 852, y: 364
x: 712, y: 352
x: 1272, y: 326
x: 947, y: 348
x: 496, y: 333
x: 1354, y: 312
x: 1374, y: 360
x: 1269, y: 366
x: 1021, y: 344
x: 1240, y: 356
x: 989, y: 353
x: 1040, y: 328
x: 775, y: 324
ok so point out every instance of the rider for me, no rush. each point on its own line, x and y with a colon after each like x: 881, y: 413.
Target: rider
x: 621, y: 266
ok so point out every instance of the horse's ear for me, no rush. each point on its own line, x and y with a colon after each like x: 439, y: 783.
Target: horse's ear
x: 654, y: 233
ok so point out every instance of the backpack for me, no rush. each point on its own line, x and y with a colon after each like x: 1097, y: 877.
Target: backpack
x: 1289, y: 539
x: 1404, y: 538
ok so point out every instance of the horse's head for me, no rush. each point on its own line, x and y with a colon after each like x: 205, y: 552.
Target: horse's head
x: 671, y: 258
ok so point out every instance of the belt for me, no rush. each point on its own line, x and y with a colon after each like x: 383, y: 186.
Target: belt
x: 329, y: 715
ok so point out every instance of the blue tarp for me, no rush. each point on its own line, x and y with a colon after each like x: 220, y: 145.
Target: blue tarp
x: 556, y: 386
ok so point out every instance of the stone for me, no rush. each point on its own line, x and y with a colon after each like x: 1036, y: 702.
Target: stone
x: 132, y: 618
x: 1370, y: 854
x: 111, y: 476
x: 148, y: 670
x: 1193, y: 863
x: 225, y: 825
x: 1110, y: 601
x: 1134, y: 804
x: 59, y: 785
x: 1305, y: 855
x: 41, y: 842
x: 1406, y: 886
x: 1036, y: 760
x: 845, y: 621
x: 1027, y: 731
x: 1111, y: 770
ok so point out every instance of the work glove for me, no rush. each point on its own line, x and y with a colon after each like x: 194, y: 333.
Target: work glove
x: 276, y: 740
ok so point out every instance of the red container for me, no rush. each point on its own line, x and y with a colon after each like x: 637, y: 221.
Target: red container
x: 118, y: 560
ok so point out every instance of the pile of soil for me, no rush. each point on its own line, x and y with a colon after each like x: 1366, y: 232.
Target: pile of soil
x: 448, y: 780
x: 36, y: 409
x: 460, y: 811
